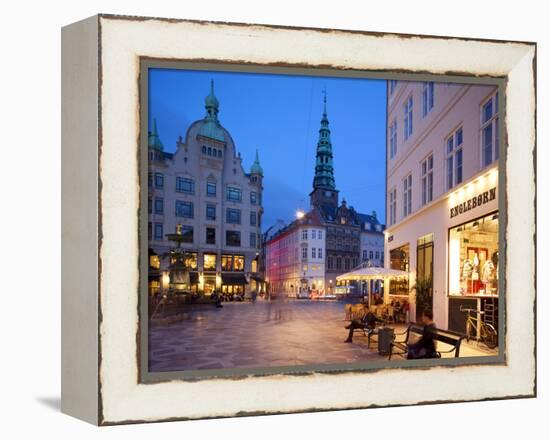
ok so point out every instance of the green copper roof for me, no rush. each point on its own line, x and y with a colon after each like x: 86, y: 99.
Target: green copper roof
x: 154, y: 140
x: 211, y: 127
x: 256, y: 167
x: 211, y: 100
x: 324, y: 170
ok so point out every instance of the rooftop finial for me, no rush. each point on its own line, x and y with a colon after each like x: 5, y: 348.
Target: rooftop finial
x: 154, y: 139
x: 211, y: 103
x: 256, y: 167
x: 325, y: 100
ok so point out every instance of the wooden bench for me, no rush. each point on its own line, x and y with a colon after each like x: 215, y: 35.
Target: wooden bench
x: 444, y: 336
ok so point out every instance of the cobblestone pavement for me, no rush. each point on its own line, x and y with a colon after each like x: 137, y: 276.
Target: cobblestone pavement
x: 261, y: 334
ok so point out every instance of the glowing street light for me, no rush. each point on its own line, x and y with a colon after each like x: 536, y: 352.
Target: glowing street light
x: 300, y: 214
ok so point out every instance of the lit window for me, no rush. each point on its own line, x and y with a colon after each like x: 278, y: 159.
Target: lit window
x: 209, y: 261
x: 238, y: 263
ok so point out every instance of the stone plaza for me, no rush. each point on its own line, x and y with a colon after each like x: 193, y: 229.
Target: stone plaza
x: 262, y: 334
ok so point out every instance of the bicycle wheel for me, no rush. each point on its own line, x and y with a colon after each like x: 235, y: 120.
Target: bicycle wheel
x: 490, y: 338
x: 468, y: 331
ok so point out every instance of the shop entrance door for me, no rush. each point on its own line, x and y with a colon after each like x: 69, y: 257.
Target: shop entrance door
x: 424, y: 274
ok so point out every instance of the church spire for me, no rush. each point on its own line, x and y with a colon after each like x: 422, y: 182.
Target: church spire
x: 324, y: 188
x: 324, y: 171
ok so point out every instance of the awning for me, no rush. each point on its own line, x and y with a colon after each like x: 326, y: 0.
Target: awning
x: 234, y: 279
x: 154, y: 275
x: 372, y: 273
x: 257, y: 278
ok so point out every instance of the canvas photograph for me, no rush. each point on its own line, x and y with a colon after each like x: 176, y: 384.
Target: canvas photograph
x: 298, y: 222
x: 262, y: 219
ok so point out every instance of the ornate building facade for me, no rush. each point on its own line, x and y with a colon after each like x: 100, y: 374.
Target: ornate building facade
x: 343, y: 227
x: 202, y: 192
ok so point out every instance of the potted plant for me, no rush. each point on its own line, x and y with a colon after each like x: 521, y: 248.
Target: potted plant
x: 423, y: 295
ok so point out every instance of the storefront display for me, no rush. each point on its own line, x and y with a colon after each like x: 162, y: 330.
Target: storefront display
x: 473, y: 258
x: 399, y: 260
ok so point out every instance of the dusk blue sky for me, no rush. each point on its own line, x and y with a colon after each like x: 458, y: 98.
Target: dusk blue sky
x: 280, y: 116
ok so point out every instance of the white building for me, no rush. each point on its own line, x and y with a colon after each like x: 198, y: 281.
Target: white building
x: 372, y: 240
x: 203, y: 191
x: 442, y: 195
x: 295, y: 258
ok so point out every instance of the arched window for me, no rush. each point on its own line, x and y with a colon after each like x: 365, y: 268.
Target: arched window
x: 204, y: 149
x: 219, y: 153
x: 210, y: 151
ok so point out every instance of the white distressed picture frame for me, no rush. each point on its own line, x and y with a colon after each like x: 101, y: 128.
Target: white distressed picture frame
x: 101, y: 201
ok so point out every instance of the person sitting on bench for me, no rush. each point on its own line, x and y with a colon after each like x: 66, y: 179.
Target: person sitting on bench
x: 425, y: 347
x: 367, y: 322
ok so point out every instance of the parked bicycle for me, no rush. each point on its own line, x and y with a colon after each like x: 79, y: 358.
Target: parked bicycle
x: 487, y: 333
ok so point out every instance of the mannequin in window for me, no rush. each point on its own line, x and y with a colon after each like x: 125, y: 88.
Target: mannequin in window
x: 494, y: 259
x: 476, y: 284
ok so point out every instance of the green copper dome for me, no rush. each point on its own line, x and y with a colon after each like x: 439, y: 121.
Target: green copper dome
x: 211, y: 127
x: 256, y: 168
x: 211, y: 100
x: 213, y: 130
x: 154, y: 140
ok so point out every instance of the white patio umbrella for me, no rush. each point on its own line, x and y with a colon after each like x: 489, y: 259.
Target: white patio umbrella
x: 372, y: 273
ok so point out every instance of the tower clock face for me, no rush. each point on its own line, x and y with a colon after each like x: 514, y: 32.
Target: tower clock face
x: 328, y: 194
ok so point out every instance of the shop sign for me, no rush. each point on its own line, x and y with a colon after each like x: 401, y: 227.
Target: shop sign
x: 474, y: 202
